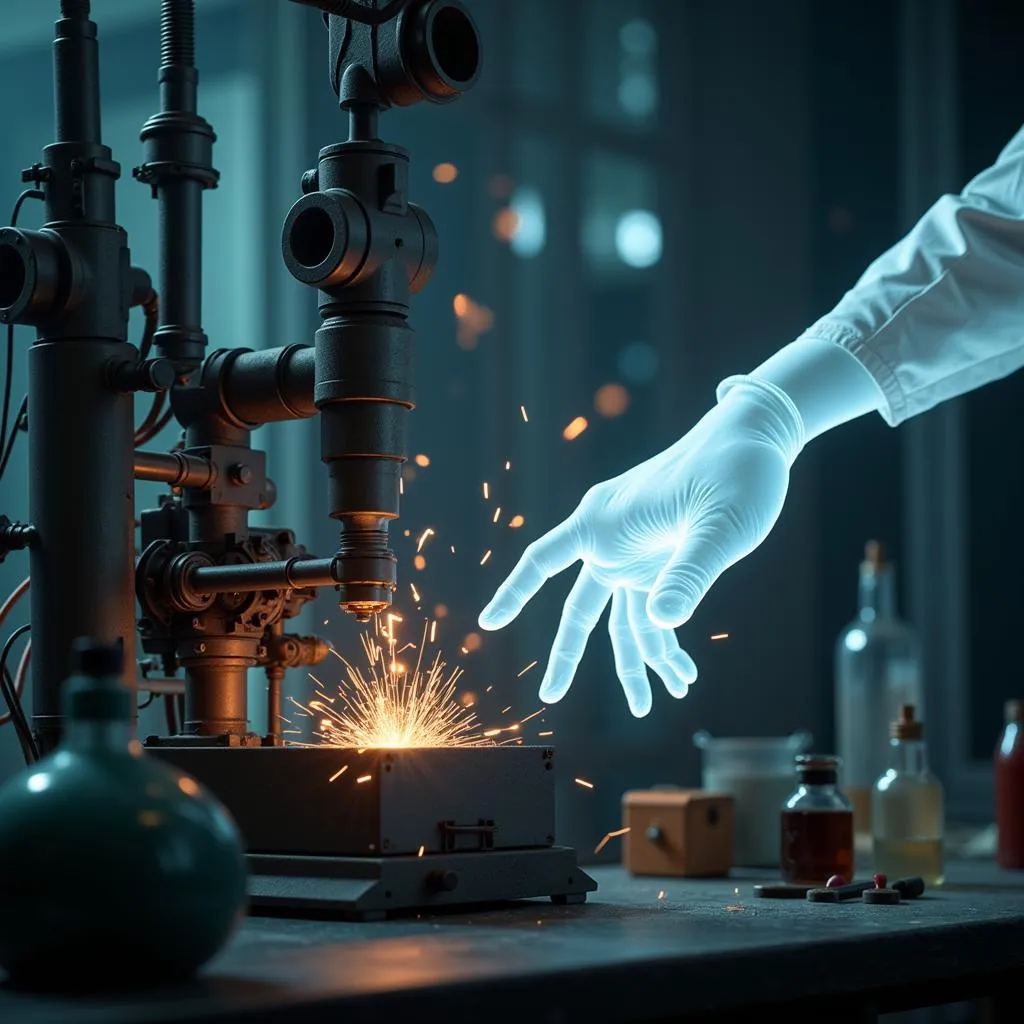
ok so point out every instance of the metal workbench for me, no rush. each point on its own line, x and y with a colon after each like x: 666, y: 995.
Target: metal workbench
x: 704, y: 949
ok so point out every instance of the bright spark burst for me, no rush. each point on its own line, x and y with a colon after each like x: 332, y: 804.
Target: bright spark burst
x: 389, y: 705
x: 609, y: 836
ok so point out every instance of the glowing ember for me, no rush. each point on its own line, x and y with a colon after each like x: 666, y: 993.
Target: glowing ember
x: 446, y: 173
x: 423, y: 538
x: 339, y: 772
x: 523, y: 671
x: 575, y: 428
x: 487, y: 554
x: 720, y: 636
x: 364, y: 778
x: 487, y: 490
x: 515, y: 522
x: 584, y: 783
x: 422, y: 461
x: 497, y: 514
x: 419, y: 562
x: 522, y: 410
x: 609, y: 836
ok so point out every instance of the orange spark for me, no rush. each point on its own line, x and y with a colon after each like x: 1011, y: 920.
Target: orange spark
x: 720, y: 636
x: 415, y: 593
x: 487, y: 554
x: 505, y: 711
x: 611, y: 400
x: 515, y: 522
x: 522, y: 409
x: 445, y: 174
x: 419, y: 562
x: 584, y: 783
x: 609, y: 836
x: 364, y: 778
x: 523, y: 671
x: 419, y: 853
x: 440, y: 611
x: 508, y: 466
x: 550, y: 732
x: 433, y: 630
x: 497, y: 514
x: 487, y: 490
x: 661, y: 894
x: 422, y: 460
x: 575, y: 428
x: 423, y: 538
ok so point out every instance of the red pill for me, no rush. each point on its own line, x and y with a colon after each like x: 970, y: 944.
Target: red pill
x: 835, y: 882
x: 880, y: 881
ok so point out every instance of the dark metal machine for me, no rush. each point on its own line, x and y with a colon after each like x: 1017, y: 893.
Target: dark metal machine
x: 215, y: 593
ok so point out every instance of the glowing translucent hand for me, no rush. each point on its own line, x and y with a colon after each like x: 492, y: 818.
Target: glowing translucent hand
x: 655, y: 539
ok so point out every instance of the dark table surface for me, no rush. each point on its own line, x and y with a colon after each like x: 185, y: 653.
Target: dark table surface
x: 641, y: 949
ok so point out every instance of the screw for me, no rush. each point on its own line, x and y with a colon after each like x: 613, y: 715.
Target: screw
x: 240, y: 474
x: 196, y: 624
x: 199, y: 648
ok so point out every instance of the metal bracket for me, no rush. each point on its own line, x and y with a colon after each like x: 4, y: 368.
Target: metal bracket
x: 484, y: 830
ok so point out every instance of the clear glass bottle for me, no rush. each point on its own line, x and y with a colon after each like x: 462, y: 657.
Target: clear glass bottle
x: 877, y: 670
x: 816, y: 825
x: 907, y: 808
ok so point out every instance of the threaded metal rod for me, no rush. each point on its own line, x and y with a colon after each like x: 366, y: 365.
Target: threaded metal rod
x: 177, y: 33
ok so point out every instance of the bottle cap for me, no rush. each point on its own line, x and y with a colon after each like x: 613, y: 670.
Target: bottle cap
x: 95, y: 658
x: 874, y: 555
x: 817, y: 769
x: 96, y: 693
x: 1014, y: 710
x: 906, y: 727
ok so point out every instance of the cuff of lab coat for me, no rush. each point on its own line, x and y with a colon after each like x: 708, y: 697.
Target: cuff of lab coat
x: 894, y: 407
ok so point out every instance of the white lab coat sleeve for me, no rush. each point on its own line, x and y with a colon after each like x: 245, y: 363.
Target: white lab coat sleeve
x: 942, y: 312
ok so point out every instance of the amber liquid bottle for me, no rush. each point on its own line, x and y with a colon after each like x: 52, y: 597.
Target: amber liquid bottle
x: 817, y: 825
x: 1009, y: 765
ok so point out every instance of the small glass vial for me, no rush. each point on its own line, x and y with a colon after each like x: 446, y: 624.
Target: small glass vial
x: 817, y: 825
x: 1010, y: 788
x: 907, y: 815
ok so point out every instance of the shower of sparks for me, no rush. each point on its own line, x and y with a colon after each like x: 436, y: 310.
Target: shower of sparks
x: 415, y: 593
x: 522, y: 672
x: 341, y: 771
x: 487, y: 554
x: 584, y: 783
x: 487, y: 490
x: 497, y: 514
x: 720, y: 636
x: 609, y: 836
x: 423, y: 538
x: 385, y: 704
x: 522, y: 409
x: 515, y: 522
x: 364, y: 778
x: 575, y: 428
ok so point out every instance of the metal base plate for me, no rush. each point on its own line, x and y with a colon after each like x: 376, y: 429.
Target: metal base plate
x: 369, y: 888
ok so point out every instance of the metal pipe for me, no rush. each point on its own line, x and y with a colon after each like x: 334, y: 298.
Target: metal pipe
x: 76, y: 75
x: 216, y: 697
x: 291, y: 574
x: 270, y: 385
x: 175, y: 468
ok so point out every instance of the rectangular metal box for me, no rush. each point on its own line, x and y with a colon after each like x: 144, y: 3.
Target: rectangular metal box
x: 330, y: 801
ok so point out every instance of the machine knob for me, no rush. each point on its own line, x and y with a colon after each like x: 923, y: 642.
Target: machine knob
x: 443, y: 881
x: 654, y: 834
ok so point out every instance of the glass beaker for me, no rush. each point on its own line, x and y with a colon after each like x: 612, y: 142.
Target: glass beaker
x: 758, y: 772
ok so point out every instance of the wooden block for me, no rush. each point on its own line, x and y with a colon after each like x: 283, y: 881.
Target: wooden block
x: 678, y: 832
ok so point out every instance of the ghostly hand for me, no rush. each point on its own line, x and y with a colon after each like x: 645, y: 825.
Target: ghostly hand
x: 654, y: 540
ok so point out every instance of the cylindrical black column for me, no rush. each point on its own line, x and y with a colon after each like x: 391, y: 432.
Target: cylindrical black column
x: 216, y: 697
x: 81, y: 501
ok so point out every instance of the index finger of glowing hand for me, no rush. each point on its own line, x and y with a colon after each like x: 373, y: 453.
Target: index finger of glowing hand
x: 583, y: 607
x: 545, y: 557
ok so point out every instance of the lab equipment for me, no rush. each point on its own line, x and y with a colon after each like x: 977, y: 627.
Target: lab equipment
x: 877, y: 670
x: 114, y: 867
x: 1009, y: 772
x: 758, y: 773
x: 684, y: 833
x: 816, y: 824
x: 908, y: 819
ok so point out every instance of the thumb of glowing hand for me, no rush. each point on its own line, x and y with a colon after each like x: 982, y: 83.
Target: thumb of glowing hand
x: 654, y: 540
